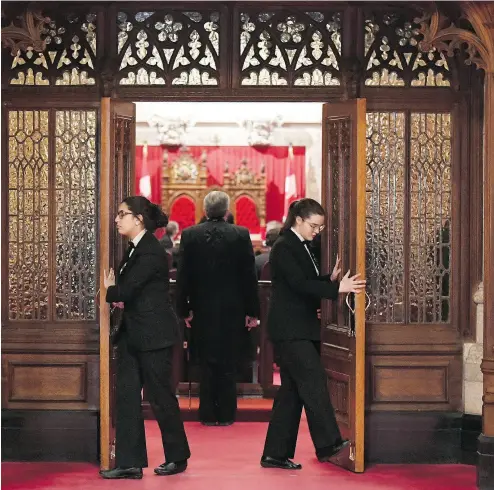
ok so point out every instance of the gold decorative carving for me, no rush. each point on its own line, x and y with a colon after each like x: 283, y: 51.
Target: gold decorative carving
x: 28, y: 35
x: 186, y: 176
x: 245, y: 182
x: 244, y: 175
x: 440, y: 33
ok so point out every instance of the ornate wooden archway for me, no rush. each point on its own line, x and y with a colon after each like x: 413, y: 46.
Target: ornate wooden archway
x: 64, y: 79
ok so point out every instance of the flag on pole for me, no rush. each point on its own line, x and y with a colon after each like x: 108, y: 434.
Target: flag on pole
x: 145, y: 180
x: 290, y: 182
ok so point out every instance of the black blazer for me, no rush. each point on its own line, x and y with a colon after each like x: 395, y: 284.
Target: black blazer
x: 217, y: 271
x: 143, y: 286
x: 297, y: 291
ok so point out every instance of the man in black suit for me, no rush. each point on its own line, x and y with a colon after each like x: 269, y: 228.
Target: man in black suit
x: 145, y: 340
x: 217, y: 285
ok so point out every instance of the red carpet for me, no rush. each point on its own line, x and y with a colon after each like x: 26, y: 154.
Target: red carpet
x: 227, y: 458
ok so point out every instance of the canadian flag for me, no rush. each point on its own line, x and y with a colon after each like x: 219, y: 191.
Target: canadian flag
x: 145, y: 180
x: 290, y: 183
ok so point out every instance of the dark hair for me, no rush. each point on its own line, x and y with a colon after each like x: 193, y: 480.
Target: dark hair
x: 304, y: 208
x: 230, y: 219
x: 152, y: 215
x: 271, y: 236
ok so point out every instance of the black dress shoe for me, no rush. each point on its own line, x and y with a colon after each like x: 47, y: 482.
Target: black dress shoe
x: 209, y: 424
x: 172, y: 468
x: 333, y: 450
x: 120, y: 473
x: 226, y: 424
x: 284, y: 464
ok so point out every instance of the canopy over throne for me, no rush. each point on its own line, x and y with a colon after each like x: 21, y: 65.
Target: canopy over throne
x: 247, y: 192
x: 183, y: 185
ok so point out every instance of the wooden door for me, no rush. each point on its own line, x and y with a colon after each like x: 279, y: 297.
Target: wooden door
x: 343, y: 321
x: 116, y: 182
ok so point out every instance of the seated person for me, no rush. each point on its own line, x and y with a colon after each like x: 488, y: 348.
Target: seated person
x: 166, y: 241
x: 271, y: 236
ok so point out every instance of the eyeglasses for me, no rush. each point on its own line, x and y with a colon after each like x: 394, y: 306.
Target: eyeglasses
x: 123, y: 214
x: 316, y: 228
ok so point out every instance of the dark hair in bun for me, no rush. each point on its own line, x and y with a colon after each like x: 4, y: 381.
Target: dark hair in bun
x: 152, y: 215
x: 304, y: 208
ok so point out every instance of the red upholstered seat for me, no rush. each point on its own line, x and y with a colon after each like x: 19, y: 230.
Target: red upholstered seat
x: 246, y: 214
x: 183, y: 211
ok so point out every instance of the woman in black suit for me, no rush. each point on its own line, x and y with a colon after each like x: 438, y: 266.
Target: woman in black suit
x: 145, y: 341
x: 294, y: 330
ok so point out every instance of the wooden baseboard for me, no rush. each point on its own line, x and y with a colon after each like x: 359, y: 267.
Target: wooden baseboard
x: 471, y: 427
x: 420, y: 437
x: 50, y: 435
x: 485, y: 466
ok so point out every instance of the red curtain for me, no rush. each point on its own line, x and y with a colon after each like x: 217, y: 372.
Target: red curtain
x: 274, y: 158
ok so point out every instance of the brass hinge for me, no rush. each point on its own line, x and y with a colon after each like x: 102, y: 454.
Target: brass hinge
x: 352, y: 452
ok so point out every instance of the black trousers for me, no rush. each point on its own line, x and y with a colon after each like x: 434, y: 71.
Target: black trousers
x: 303, y: 384
x: 218, y: 391
x: 151, y: 369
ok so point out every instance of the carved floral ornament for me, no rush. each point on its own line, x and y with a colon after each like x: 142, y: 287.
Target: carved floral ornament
x: 443, y: 35
x: 260, y: 132
x: 171, y: 131
x: 27, y: 35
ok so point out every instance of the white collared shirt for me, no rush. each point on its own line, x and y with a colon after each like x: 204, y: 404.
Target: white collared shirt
x: 301, y: 238
x: 135, y: 241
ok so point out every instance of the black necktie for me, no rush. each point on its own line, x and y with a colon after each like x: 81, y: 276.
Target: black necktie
x: 130, y: 247
x: 126, y: 257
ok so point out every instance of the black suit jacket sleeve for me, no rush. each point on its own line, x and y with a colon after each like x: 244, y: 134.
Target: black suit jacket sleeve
x: 183, y: 275
x: 249, y: 276
x: 143, y: 271
x: 287, y: 264
x: 327, y: 277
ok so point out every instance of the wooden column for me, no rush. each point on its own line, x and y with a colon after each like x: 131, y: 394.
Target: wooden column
x: 440, y: 33
x: 485, y: 469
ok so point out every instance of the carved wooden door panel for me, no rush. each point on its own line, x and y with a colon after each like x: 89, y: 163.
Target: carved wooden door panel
x: 343, y: 321
x: 116, y: 182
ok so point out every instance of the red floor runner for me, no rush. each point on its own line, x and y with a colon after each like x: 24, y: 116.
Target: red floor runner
x: 227, y: 458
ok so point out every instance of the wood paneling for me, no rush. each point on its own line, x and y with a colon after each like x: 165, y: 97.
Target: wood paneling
x: 414, y: 382
x: 54, y: 382
x: 49, y: 381
x: 339, y: 391
x: 39, y: 337
x: 405, y: 383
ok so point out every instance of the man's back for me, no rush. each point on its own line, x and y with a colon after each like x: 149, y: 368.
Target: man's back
x: 216, y: 269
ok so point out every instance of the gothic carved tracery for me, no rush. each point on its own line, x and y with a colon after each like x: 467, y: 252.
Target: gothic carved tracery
x: 440, y: 33
x: 27, y: 35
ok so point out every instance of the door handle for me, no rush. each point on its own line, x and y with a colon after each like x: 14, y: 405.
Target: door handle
x: 367, y: 302
x: 347, y: 301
